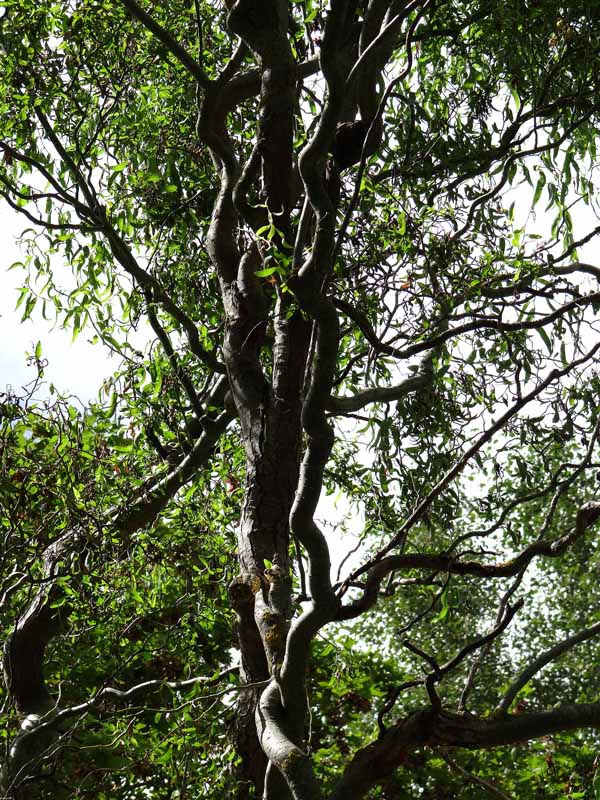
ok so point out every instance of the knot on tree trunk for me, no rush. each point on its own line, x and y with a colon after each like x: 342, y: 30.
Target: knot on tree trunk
x: 242, y: 590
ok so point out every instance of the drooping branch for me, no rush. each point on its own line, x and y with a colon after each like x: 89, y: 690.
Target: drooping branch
x: 555, y: 483
x: 36, y: 164
x: 45, y: 615
x: 97, y: 214
x: 169, y: 41
x: 165, y: 341
x: 125, y: 257
x: 512, y: 159
x: 8, y: 195
x: 39, y: 735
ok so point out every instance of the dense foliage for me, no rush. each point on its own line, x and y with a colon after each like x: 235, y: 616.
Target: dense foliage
x: 340, y: 252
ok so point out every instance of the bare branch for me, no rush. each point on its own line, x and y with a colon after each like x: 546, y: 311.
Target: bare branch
x: 542, y: 660
x: 486, y: 785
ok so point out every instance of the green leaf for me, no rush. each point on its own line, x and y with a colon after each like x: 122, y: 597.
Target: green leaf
x: 546, y: 339
x: 541, y: 182
x: 264, y: 273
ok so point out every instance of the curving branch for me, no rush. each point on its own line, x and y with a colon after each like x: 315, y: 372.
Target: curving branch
x: 378, y: 394
x: 555, y: 483
x: 477, y: 324
x: 422, y: 379
x: 587, y: 515
x: 438, y: 672
x: 277, y: 742
x: 458, y: 467
x: 512, y: 159
x: 281, y: 715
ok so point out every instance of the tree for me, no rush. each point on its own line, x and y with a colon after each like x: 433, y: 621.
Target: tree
x: 307, y: 212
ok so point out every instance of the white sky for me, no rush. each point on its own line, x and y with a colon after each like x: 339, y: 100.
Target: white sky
x: 75, y: 368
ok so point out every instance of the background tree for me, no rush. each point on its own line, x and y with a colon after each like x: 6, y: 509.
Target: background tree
x: 308, y: 212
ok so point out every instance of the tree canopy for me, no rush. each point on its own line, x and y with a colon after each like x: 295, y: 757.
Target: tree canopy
x: 339, y: 251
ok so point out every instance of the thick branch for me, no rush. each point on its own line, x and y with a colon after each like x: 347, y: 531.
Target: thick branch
x: 377, y: 761
x: 278, y: 744
x: 377, y: 394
